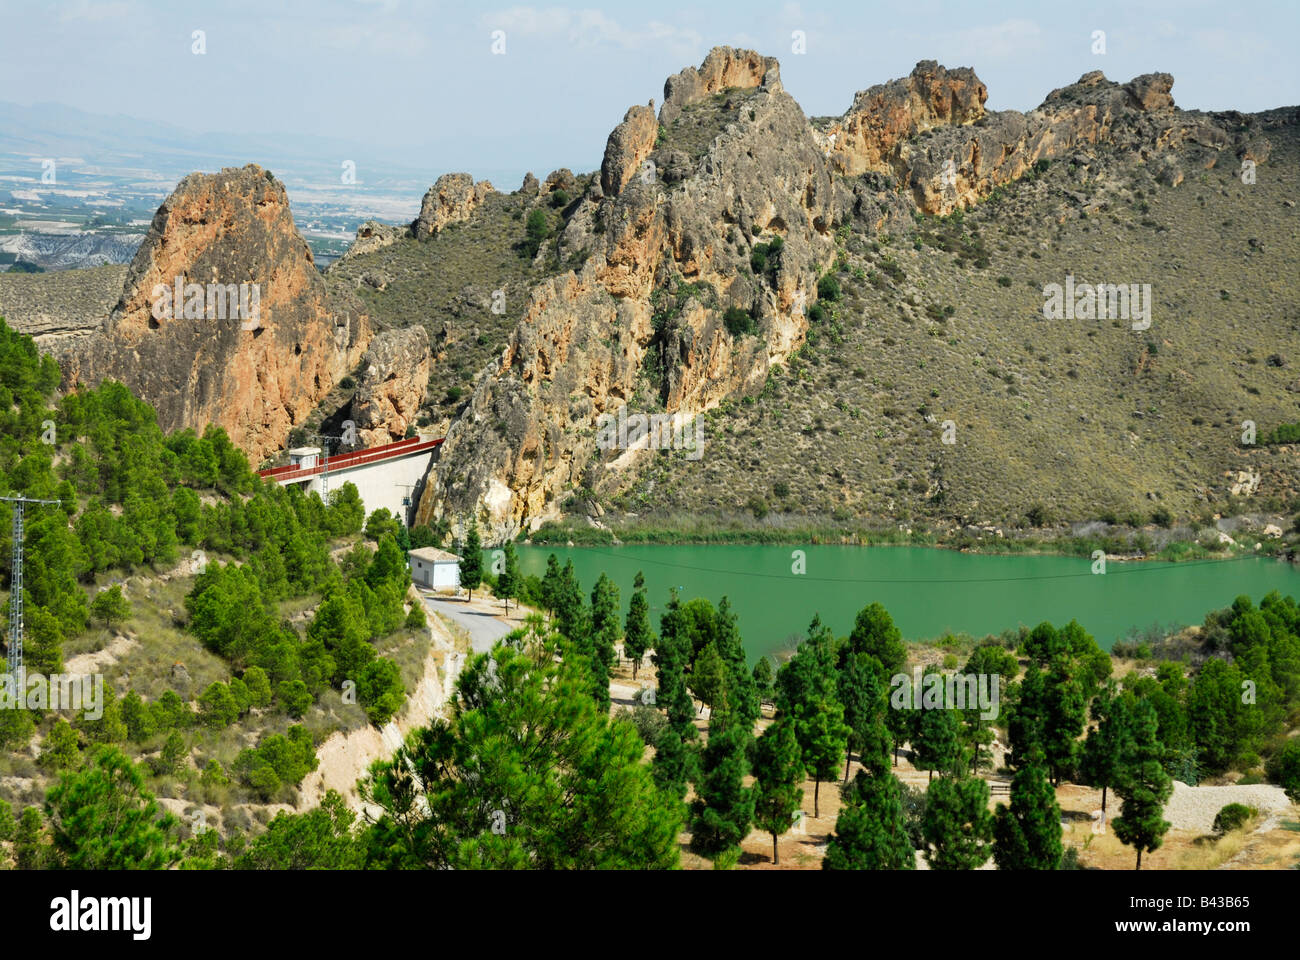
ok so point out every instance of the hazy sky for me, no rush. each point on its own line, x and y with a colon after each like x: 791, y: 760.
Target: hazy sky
x: 418, y: 78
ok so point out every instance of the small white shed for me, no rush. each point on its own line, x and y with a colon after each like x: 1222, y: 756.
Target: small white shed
x: 435, y: 569
x: 304, y: 457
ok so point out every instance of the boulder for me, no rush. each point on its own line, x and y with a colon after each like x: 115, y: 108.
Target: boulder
x: 452, y: 199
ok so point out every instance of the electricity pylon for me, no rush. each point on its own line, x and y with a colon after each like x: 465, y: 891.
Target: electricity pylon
x: 325, y: 464
x: 15, y: 658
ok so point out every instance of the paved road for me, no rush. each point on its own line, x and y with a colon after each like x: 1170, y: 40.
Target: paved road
x: 484, y: 628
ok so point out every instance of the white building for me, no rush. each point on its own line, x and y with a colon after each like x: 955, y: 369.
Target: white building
x: 304, y: 458
x: 435, y: 569
x: 384, y: 476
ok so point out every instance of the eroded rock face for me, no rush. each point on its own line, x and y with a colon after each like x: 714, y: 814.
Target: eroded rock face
x: 528, y: 432
x: 257, y: 379
x: 869, y: 134
x: 670, y: 254
x: 723, y: 69
x: 968, y: 153
x: 452, y: 199
x: 391, y: 384
x: 628, y: 147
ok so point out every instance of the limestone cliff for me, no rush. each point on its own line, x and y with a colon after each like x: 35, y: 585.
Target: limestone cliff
x: 669, y: 254
x: 970, y: 152
x: 195, y: 356
x: 391, y: 384
x: 727, y: 210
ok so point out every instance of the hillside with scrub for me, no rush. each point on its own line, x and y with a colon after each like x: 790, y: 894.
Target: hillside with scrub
x: 236, y: 625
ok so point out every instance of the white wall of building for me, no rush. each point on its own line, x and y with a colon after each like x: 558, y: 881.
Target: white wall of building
x: 382, y: 484
x: 439, y: 575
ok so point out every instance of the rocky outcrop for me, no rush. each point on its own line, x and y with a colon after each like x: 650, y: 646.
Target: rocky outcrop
x: 391, y: 384
x: 528, y: 432
x: 628, y: 147
x: 201, y: 358
x: 371, y: 236
x: 869, y: 134
x: 562, y: 179
x: 724, y: 68
x: 452, y: 198
x: 666, y: 257
x: 969, y: 153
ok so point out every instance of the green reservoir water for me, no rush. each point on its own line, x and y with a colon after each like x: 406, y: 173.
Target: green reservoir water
x: 927, y: 591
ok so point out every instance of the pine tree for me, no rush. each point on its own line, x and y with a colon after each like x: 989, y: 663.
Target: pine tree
x: 605, y: 633
x: 110, y: 606
x: 672, y: 766
x: 103, y: 818
x: 525, y: 774
x: 875, y: 634
x: 824, y: 738
x: 509, y: 581
x: 471, y: 562
x: 572, y: 618
x: 1065, y: 716
x: 1027, y: 835
x: 637, y: 636
x: 550, y: 584
x: 806, y: 691
x: 864, y: 703
x: 671, y: 658
x: 1143, y: 786
x: 871, y: 831
x: 778, y: 779
x: 30, y: 849
x: 938, y: 740
x: 709, y: 678
x: 724, y: 806
x: 60, y: 750
x: 764, y: 679
x: 674, y: 761
x: 957, y: 827
x: 1027, y: 724
x: 742, y: 693
x: 1108, y: 741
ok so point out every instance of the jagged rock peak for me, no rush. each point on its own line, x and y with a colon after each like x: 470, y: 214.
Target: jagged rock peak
x: 252, y: 339
x: 884, y: 115
x: 723, y: 69
x: 627, y: 148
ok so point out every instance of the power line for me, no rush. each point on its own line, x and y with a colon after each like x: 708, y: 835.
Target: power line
x: 15, y: 655
x: 1143, y: 567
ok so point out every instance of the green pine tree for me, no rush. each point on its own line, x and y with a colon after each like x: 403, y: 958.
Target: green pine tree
x: 1027, y: 834
x: 110, y: 606
x: 510, y: 580
x: 723, y: 807
x: 871, y: 830
x: 471, y: 562
x: 1143, y: 786
x: 778, y: 780
x: 60, y: 750
x: 637, y: 636
x: 957, y: 827
x: 1108, y: 741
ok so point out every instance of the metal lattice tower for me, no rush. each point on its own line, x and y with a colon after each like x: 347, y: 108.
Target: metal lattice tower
x: 15, y: 658
x: 325, y: 464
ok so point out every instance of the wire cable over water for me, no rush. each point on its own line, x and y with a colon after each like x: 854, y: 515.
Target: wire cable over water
x: 1137, y: 567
